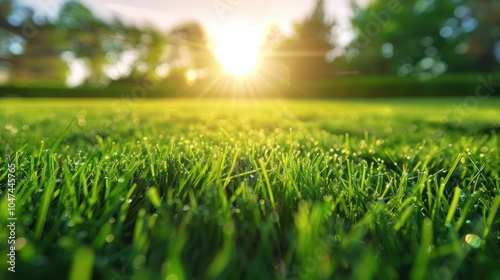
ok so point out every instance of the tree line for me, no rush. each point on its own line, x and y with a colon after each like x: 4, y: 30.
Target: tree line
x: 422, y: 38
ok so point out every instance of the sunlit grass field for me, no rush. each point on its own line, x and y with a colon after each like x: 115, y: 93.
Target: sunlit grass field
x: 252, y: 189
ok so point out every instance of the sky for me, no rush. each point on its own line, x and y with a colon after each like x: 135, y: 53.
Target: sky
x: 214, y: 15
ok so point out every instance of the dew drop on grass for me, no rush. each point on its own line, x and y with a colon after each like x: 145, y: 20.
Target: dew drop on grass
x: 121, y: 180
x: 473, y: 240
x: 110, y: 238
x: 139, y: 262
x: 462, y: 195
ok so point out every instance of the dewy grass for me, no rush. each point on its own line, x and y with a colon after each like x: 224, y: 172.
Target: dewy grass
x: 267, y: 189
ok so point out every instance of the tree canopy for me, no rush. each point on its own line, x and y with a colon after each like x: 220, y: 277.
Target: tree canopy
x: 424, y: 38
x: 304, y: 52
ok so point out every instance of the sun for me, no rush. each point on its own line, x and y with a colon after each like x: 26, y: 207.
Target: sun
x: 237, y: 50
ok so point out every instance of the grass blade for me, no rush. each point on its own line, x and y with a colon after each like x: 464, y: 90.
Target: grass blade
x: 83, y: 263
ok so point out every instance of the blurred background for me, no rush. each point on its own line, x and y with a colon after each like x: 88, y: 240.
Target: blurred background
x: 314, y: 48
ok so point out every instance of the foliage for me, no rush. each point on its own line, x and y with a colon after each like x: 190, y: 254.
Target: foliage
x: 191, y: 50
x: 27, y: 50
x: 304, y: 53
x: 484, y: 44
x: 83, y: 35
x: 424, y: 38
x: 111, y: 51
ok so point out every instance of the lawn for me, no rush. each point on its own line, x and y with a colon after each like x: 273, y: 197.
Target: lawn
x: 251, y: 189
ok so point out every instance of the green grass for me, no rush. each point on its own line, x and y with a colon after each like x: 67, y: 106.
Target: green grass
x: 233, y: 189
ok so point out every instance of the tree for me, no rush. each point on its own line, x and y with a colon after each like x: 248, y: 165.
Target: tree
x: 484, y: 44
x: 150, y: 46
x: 82, y: 34
x: 40, y: 60
x: 422, y: 38
x: 28, y: 48
x: 112, y: 50
x: 190, y: 52
x: 304, y: 53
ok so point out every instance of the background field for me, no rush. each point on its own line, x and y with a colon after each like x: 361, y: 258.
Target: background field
x: 229, y: 188
x: 341, y: 86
